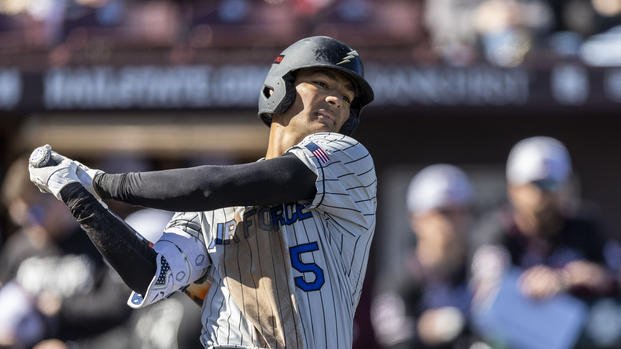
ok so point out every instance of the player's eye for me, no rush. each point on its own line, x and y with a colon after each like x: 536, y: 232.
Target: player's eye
x: 320, y: 84
x: 325, y: 85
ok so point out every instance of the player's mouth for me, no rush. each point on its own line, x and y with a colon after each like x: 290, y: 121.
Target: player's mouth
x: 325, y: 117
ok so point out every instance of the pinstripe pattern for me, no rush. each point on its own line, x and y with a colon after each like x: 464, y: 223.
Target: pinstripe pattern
x: 291, y: 276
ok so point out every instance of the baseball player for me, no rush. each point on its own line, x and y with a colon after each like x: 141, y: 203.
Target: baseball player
x: 283, y: 242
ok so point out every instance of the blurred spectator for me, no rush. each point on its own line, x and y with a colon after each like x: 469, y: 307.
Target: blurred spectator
x: 585, y: 17
x: 452, y: 29
x: 501, y: 32
x: 462, y: 32
x: 510, y: 29
x: 243, y: 23
x: 608, y: 14
x: 389, y: 25
x: 154, y: 23
x: 55, y: 290
x: 430, y: 306
x: 541, y: 247
x: 602, y: 49
x: 572, y: 16
x: 174, y: 323
x: 87, y: 13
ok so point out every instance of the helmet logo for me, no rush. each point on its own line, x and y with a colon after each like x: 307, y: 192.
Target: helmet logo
x: 350, y: 55
x: 279, y: 59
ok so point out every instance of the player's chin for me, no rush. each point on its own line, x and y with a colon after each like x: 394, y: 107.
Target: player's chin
x: 324, y: 126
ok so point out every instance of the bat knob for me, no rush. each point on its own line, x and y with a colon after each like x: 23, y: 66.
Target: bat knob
x: 41, y: 156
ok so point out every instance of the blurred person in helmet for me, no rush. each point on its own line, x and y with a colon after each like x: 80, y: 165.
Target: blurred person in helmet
x: 276, y: 250
x: 430, y: 307
x: 554, y: 246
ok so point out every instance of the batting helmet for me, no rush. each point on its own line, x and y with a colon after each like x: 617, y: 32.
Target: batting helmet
x: 278, y: 92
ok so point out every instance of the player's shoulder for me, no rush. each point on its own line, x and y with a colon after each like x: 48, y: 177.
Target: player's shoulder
x: 332, y: 142
x: 334, y: 151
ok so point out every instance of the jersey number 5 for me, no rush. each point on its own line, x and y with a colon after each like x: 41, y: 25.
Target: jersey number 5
x: 296, y: 261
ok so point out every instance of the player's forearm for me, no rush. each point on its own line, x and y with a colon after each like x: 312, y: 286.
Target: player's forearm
x: 283, y: 179
x: 130, y: 256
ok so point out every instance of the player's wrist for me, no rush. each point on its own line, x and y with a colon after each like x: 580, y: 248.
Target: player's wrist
x: 70, y: 191
x: 97, y: 188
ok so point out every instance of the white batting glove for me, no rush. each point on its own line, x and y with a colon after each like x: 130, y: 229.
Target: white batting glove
x: 86, y: 176
x: 85, y: 173
x: 44, y: 156
x: 51, y: 179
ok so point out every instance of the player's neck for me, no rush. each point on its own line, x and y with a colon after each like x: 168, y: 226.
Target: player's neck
x: 281, y: 139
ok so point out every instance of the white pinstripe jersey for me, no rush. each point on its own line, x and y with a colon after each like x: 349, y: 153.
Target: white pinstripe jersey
x: 291, y: 275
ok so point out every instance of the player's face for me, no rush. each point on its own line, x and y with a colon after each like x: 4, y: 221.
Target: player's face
x: 322, y: 101
x: 541, y: 208
x: 440, y: 236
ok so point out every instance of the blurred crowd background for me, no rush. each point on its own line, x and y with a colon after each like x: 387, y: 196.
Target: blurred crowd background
x: 456, y: 32
x: 494, y: 134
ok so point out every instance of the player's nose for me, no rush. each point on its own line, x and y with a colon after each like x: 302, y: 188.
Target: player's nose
x: 335, y: 100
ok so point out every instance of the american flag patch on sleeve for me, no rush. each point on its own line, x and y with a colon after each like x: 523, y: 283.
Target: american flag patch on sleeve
x: 318, y: 152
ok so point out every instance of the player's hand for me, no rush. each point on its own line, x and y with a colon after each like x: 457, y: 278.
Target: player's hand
x: 585, y: 274
x: 51, y: 179
x: 440, y: 325
x: 85, y: 173
x: 45, y: 156
x: 86, y: 176
x: 540, y: 282
x: 51, y: 344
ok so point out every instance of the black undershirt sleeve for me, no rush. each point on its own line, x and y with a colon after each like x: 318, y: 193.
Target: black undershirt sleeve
x: 128, y: 253
x: 267, y: 182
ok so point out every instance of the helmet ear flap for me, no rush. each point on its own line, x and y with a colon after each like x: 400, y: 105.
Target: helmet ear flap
x: 288, y: 98
x: 277, y: 97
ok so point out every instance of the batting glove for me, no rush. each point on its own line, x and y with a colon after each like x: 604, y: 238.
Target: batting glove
x: 51, y: 179
x: 85, y: 176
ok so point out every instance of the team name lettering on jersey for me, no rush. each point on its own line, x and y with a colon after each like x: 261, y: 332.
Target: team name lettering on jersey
x: 225, y: 232
x: 290, y: 213
x: 267, y: 218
